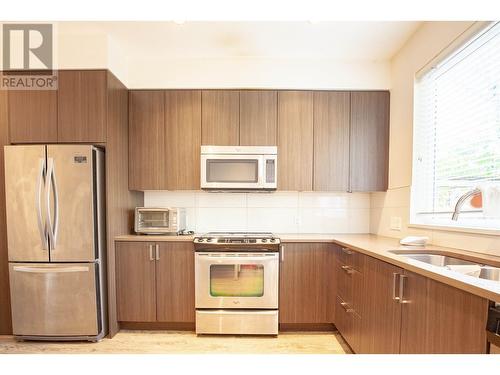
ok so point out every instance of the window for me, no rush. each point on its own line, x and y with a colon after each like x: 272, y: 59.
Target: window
x: 457, y: 135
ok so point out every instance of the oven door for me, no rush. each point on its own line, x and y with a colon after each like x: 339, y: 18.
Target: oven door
x: 236, y: 280
x: 231, y: 171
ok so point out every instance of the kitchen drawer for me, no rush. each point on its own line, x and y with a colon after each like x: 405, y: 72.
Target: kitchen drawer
x: 348, y: 323
x: 351, y: 258
x: 350, y: 286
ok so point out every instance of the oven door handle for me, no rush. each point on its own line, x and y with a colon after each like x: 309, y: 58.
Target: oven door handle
x: 240, y: 259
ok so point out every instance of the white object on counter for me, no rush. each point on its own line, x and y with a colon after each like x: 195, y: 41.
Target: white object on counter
x: 491, y: 200
x: 471, y: 270
x: 414, y: 241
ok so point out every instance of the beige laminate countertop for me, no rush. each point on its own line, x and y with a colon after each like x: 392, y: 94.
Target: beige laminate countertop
x: 379, y: 247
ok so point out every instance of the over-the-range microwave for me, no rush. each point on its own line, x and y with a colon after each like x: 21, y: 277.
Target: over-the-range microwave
x: 239, y: 167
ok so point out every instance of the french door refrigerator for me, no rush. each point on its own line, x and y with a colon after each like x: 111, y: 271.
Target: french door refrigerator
x: 56, y: 241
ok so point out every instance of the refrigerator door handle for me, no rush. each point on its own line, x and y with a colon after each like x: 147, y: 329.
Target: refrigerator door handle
x: 51, y: 269
x: 51, y: 185
x: 41, y: 227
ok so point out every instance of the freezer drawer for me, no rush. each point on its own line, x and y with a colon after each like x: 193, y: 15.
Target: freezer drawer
x: 56, y: 300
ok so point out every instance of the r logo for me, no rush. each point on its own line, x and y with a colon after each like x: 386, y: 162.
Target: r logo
x: 27, y: 46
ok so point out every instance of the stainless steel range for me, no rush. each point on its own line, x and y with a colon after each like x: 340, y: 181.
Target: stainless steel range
x: 237, y: 280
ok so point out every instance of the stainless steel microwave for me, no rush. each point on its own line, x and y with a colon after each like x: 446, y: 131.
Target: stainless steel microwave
x: 159, y: 220
x: 239, y: 167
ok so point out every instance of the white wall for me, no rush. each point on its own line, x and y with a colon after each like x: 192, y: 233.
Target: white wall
x: 258, y: 73
x: 279, y: 212
x: 425, y: 44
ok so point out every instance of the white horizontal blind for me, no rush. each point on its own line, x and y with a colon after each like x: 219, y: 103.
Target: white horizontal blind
x: 457, y: 129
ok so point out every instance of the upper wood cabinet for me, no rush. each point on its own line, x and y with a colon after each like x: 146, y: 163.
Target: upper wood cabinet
x: 182, y: 139
x: 258, y: 117
x: 32, y: 116
x: 305, y: 284
x: 81, y: 106
x: 295, y: 140
x: 147, y: 169
x: 220, y: 117
x: 331, y: 140
x: 369, y: 141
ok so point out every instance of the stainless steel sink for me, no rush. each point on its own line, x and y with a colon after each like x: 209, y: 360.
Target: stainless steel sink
x: 487, y: 272
x: 439, y: 260
x: 490, y: 273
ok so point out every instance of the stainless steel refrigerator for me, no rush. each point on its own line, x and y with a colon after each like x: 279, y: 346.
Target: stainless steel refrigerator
x: 56, y: 241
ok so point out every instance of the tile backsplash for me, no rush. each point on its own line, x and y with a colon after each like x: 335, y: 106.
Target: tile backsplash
x: 279, y: 212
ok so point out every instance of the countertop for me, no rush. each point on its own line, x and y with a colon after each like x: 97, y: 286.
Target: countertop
x: 379, y: 247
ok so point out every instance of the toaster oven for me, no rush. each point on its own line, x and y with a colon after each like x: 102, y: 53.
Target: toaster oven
x: 159, y: 220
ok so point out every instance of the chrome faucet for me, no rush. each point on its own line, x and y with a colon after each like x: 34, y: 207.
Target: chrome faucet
x: 462, y: 200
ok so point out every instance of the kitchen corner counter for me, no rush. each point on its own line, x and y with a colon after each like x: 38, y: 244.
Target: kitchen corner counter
x: 380, y: 247
x: 153, y: 238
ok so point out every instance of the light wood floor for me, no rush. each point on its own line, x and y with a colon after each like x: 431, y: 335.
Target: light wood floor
x: 167, y: 342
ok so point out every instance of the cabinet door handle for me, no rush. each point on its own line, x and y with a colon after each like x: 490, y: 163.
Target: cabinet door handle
x: 345, y: 250
x: 282, y: 251
x: 402, y: 289
x: 347, y: 269
x: 151, y: 258
x: 346, y: 307
x: 394, y: 281
x: 157, y: 251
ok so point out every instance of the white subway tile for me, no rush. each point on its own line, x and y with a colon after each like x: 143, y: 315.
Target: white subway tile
x: 324, y: 200
x: 323, y: 220
x: 221, y: 219
x: 359, y: 200
x: 169, y: 199
x: 277, y: 199
x: 359, y: 220
x: 205, y: 199
x: 272, y: 219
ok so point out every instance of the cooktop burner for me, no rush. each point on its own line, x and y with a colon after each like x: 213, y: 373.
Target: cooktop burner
x: 243, y: 238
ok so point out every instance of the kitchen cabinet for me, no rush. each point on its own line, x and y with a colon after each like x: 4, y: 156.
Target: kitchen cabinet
x: 182, y: 139
x: 135, y: 282
x: 349, y: 304
x: 295, y: 140
x: 220, y: 119
x: 155, y: 281
x: 305, y: 282
x: 147, y: 169
x: 258, y: 117
x: 440, y: 319
x: 175, y: 282
x: 382, y: 321
x: 391, y: 310
x: 32, y: 116
x: 331, y: 140
x: 81, y: 110
x: 369, y: 141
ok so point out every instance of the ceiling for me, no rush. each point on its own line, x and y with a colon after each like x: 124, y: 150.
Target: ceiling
x: 272, y: 40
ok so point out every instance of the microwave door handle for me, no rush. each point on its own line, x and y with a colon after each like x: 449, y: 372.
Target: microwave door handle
x: 262, y: 168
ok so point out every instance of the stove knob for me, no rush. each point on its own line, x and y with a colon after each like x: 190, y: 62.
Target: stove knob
x: 209, y: 239
x: 263, y: 240
x: 272, y: 240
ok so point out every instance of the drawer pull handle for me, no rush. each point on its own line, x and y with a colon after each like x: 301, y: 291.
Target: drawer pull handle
x: 346, y: 307
x: 394, y: 282
x: 345, y: 250
x: 347, y: 269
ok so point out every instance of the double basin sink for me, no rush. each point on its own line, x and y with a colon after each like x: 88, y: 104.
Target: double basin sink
x: 486, y: 272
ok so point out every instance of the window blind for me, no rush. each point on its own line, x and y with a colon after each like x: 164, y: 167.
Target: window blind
x: 457, y: 130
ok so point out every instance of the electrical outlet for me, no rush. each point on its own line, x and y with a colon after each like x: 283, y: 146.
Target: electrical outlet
x: 395, y: 223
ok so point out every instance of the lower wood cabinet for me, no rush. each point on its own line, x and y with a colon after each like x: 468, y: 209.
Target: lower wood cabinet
x: 398, y: 311
x: 155, y: 282
x: 305, y: 283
